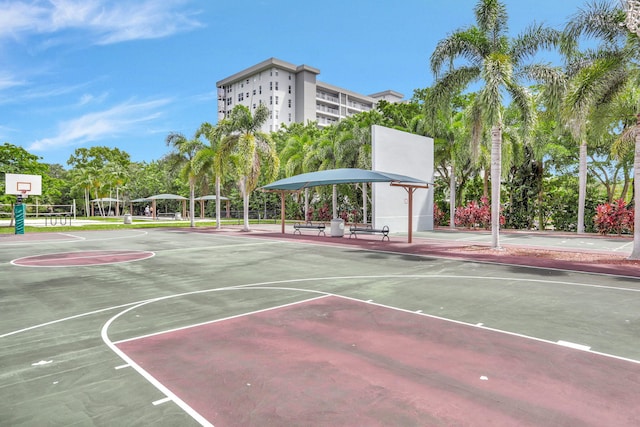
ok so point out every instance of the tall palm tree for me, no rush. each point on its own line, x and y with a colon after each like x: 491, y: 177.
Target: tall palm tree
x: 491, y: 58
x: 83, y: 179
x: 606, y: 73
x: 247, y: 147
x: 292, y: 157
x: 209, y: 158
x: 323, y: 156
x: 183, y: 158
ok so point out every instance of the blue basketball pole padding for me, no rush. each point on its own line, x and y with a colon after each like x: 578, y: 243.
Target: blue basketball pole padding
x: 18, y: 211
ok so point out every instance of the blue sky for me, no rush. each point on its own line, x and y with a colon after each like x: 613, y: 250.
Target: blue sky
x: 79, y: 73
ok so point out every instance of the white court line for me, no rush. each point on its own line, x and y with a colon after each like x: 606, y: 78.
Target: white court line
x: 236, y: 245
x: 161, y: 401
x: 315, y: 279
x: 78, y: 239
x: 114, y: 252
x: 620, y: 248
x: 574, y: 345
x: 236, y: 316
x: 150, y: 378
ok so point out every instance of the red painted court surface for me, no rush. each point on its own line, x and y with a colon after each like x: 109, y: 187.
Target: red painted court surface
x: 339, y: 362
x: 81, y: 258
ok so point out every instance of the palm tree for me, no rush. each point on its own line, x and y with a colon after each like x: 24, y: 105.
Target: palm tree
x: 606, y: 73
x: 83, y: 179
x: 323, y: 156
x: 497, y: 62
x: 247, y: 147
x: 183, y: 157
x: 292, y: 157
x: 209, y: 158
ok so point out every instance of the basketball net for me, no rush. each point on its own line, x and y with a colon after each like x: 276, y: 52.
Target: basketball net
x: 632, y: 21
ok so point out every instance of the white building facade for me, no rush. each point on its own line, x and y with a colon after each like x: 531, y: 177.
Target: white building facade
x: 293, y: 94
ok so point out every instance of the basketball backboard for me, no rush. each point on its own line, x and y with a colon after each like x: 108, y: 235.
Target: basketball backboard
x: 23, y: 185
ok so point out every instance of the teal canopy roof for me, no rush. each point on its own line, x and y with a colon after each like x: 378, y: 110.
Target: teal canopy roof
x: 211, y: 197
x: 166, y: 197
x: 339, y: 176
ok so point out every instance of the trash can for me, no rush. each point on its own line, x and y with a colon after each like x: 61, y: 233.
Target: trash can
x: 127, y: 219
x: 178, y: 216
x: 337, y: 227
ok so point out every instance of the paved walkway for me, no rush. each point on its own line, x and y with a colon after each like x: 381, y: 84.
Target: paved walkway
x: 564, y: 251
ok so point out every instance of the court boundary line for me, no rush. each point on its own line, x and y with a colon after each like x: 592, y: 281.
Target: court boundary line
x: 125, y: 252
x: 169, y: 395
x: 416, y: 276
x: 325, y: 294
x: 77, y: 238
x: 235, y: 316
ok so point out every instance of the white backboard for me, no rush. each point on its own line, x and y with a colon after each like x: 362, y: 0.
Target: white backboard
x: 20, y: 184
x: 403, y: 153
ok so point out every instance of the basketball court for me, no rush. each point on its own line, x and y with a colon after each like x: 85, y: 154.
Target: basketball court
x: 201, y: 327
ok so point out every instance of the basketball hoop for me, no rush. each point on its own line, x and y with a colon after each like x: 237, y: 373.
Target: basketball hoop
x: 21, y: 195
x: 632, y: 21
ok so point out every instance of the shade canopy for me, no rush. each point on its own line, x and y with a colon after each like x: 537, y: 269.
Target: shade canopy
x: 106, y: 199
x: 166, y: 197
x: 339, y: 176
x: 139, y: 200
x: 211, y: 197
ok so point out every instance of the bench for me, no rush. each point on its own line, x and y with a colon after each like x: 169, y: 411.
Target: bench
x: 354, y: 229
x: 169, y: 215
x: 309, y: 225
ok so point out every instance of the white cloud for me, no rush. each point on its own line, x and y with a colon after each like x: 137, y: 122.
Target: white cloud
x: 106, y: 21
x: 7, y: 81
x: 119, y: 120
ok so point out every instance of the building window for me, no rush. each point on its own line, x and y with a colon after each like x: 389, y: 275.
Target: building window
x: 289, y: 116
x: 289, y: 76
x: 289, y: 102
x: 260, y: 89
x: 289, y: 88
x: 277, y: 97
x: 247, y: 81
x: 277, y: 115
x: 254, y: 91
x: 254, y: 106
x: 270, y: 85
x: 276, y: 85
x: 247, y: 95
x: 276, y: 72
x: 271, y: 100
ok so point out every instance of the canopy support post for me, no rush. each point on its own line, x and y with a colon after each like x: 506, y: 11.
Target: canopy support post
x: 410, y: 191
x: 282, y: 213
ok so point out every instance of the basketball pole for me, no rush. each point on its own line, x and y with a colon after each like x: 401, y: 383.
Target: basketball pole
x: 18, y: 214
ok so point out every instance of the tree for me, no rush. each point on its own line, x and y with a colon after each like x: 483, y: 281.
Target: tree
x: 490, y: 57
x: 292, y: 160
x: 607, y: 73
x: 248, y: 149
x: 17, y: 160
x: 209, y: 158
x: 183, y: 158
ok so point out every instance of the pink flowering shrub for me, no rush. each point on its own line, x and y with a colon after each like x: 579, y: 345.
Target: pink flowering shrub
x: 475, y: 215
x: 438, y: 215
x: 614, y: 218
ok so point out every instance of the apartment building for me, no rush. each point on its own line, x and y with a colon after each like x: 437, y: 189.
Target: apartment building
x: 293, y: 94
